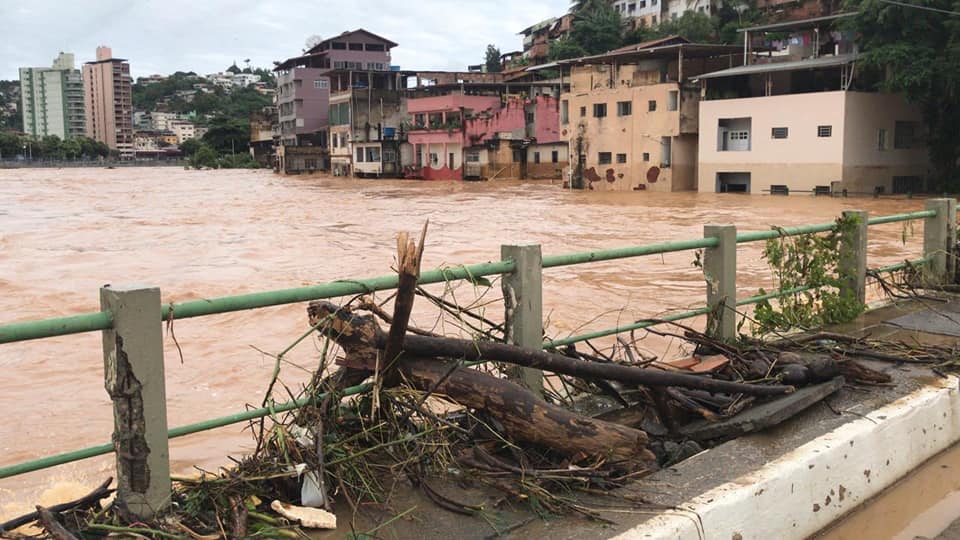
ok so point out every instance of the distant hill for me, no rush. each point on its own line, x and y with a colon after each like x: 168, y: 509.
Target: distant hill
x: 185, y: 92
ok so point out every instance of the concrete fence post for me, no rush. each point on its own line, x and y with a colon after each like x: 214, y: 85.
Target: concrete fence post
x: 523, y: 302
x: 852, y: 264
x: 134, y: 379
x: 939, y: 237
x: 720, y: 271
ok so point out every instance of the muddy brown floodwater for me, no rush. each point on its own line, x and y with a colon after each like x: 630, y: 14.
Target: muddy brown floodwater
x: 64, y: 233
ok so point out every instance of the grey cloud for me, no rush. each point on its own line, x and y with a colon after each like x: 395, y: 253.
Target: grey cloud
x: 206, y: 35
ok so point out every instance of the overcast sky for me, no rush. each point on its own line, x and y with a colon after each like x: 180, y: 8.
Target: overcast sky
x: 206, y: 36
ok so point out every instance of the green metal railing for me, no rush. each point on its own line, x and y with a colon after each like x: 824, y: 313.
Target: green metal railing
x: 97, y: 321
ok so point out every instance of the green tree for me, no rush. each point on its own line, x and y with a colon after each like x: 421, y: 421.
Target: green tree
x: 71, y: 148
x: 695, y: 26
x: 565, y: 47
x: 228, y: 135
x: 50, y: 146
x: 205, y: 156
x: 916, y: 52
x: 492, y: 59
x: 598, y: 28
x: 190, y: 146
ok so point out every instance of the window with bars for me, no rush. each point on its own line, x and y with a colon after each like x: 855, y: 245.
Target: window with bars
x: 604, y: 158
x: 779, y: 133
x: 824, y: 131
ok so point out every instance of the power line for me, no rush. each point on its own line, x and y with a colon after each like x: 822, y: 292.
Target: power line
x: 904, y: 4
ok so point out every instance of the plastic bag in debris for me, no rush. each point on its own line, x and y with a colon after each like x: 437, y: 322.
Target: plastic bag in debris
x: 312, y: 491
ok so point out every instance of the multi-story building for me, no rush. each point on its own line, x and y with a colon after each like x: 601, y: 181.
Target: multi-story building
x: 263, y: 135
x: 366, y: 122
x: 183, y: 130
x: 473, y: 129
x: 245, y: 79
x: 52, y: 99
x: 630, y: 116
x: 807, y: 121
x: 303, y: 93
x: 642, y: 12
x: 162, y: 120
x: 108, y: 98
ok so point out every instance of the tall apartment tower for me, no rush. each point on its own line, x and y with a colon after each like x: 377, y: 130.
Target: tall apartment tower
x: 108, y: 95
x: 52, y: 99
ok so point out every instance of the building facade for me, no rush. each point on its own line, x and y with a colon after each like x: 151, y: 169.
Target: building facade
x: 303, y: 93
x: 801, y: 118
x: 109, y: 102
x: 631, y: 115
x: 52, y: 99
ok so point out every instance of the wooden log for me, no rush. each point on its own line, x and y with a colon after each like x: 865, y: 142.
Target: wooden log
x: 101, y: 492
x: 363, y: 336
x: 52, y: 526
x: 524, y: 416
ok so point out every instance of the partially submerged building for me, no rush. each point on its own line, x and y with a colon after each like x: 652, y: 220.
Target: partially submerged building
x: 303, y: 94
x: 803, y: 119
x: 631, y: 115
x: 366, y: 123
x: 476, y: 130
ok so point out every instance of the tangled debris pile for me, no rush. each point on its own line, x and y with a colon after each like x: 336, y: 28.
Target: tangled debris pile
x: 438, y: 411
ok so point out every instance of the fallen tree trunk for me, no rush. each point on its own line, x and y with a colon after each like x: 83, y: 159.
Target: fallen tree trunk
x: 524, y: 416
x: 362, y: 333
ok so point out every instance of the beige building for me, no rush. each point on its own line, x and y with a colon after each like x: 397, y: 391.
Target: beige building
x: 108, y: 98
x: 631, y: 115
x: 807, y: 126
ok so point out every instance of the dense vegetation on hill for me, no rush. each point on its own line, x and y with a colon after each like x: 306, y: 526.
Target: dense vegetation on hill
x: 236, y: 103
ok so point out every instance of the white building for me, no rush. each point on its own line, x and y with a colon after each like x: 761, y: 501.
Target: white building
x: 52, y: 99
x: 245, y: 79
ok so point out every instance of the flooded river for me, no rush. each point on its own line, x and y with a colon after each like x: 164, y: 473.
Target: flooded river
x: 65, y: 233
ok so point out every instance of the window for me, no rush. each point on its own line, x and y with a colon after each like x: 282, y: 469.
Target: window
x: 779, y: 132
x: 824, y: 131
x: 653, y: 18
x: 673, y: 99
x: 419, y: 120
x: 472, y: 157
x: 335, y: 145
x: 605, y: 158
x: 356, y: 46
x: 583, y: 112
x: 339, y: 45
x: 904, y: 135
x: 621, y: 158
x: 646, y: 156
x: 434, y: 158
x: 651, y: 105
x: 321, y: 83
x: 359, y: 154
x: 624, y: 108
x: 881, y: 139
x: 665, y: 151
x: 519, y: 156
x: 564, y: 112
x: 554, y: 156
x: 599, y: 110
x: 375, y: 47
x: 633, y: 7
x: 536, y: 157
x: 373, y: 154
x: 530, y: 117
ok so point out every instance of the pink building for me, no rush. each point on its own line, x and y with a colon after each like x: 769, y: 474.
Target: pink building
x: 108, y: 99
x: 303, y: 93
x: 477, y: 131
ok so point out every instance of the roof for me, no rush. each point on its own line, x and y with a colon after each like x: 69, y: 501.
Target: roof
x: 690, y: 50
x: 668, y: 40
x: 814, y: 63
x: 797, y: 25
x: 291, y: 62
x: 350, y: 33
x: 540, y: 25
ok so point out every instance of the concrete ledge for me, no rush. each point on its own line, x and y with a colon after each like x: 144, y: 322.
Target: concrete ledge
x: 809, y: 488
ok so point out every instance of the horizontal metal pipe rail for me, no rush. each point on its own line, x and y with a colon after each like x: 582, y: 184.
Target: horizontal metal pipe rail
x: 89, y: 322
